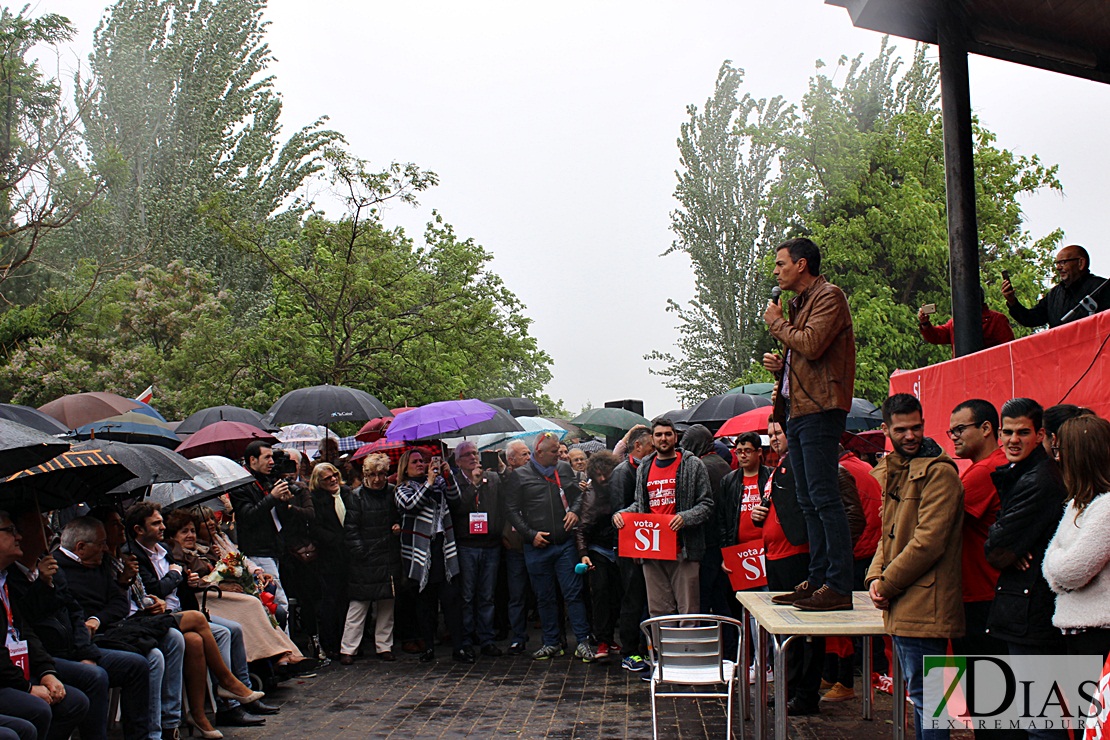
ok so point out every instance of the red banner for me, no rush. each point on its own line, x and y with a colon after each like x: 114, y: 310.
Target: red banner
x: 648, y: 536
x: 748, y: 565
x: 1068, y: 364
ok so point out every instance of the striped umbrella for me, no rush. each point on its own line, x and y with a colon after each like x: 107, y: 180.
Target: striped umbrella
x: 70, y: 478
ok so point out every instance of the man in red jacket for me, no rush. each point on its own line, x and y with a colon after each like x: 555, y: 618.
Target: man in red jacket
x: 996, y: 328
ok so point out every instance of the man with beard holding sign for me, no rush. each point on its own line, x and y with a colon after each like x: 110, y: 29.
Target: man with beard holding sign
x: 673, y: 485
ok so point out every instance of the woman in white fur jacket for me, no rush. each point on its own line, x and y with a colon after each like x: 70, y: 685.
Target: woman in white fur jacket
x: 1077, y: 563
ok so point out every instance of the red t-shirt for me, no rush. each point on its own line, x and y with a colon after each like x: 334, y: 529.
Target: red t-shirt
x: 981, y: 505
x: 661, y: 485
x: 871, y: 499
x: 746, y: 531
x: 775, y: 544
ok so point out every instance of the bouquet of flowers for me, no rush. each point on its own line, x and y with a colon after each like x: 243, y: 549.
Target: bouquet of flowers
x: 231, y: 570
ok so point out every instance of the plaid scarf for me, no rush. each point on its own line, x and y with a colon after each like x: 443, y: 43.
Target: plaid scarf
x: 422, y: 506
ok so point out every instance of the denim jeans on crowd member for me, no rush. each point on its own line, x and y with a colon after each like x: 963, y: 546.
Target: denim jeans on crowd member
x: 814, y: 440
x: 479, y: 578
x: 229, y: 638
x: 52, y: 722
x: 1057, y: 648
x: 130, y: 672
x: 92, y: 681
x: 14, y: 728
x: 909, y: 652
x: 165, y: 712
x: 545, y: 565
x: 517, y: 571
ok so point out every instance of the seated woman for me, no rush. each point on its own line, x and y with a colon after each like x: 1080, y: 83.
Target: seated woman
x: 261, y: 639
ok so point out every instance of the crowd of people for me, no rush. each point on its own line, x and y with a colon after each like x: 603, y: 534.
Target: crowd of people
x: 329, y: 560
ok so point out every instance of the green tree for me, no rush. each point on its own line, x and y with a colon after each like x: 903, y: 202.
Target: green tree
x: 38, y: 136
x: 859, y: 167
x: 357, y: 303
x: 183, y: 109
x: 727, y: 157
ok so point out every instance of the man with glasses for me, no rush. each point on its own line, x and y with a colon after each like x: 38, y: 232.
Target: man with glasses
x: 478, y: 525
x: 973, y: 430
x: 1076, y: 289
x: 1032, y: 494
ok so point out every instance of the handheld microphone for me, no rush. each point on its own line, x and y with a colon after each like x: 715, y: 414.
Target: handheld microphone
x: 775, y: 293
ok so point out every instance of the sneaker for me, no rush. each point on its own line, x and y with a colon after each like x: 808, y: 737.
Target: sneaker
x: 801, y: 591
x: 491, y: 651
x: 826, y: 685
x: 634, y: 663
x: 584, y: 652
x: 516, y: 647
x: 602, y: 652
x: 839, y: 692
x: 825, y: 600
x: 751, y: 675
x: 547, y: 652
x: 883, y: 683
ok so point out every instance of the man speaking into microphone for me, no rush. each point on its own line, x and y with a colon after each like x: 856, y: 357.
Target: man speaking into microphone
x: 815, y: 379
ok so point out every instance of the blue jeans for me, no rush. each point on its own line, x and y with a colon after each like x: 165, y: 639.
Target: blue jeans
x: 517, y: 571
x: 165, y: 710
x: 229, y: 638
x: 479, y: 578
x: 131, y: 673
x: 545, y: 565
x: 14, y: 728
x: 51, y: 722
x: 813, y: 441
x: 1018, y: 649
x: 92, y: 681
x: 909, y: 651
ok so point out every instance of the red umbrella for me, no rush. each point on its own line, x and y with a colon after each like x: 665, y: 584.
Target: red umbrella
x: 227, y: 438
x: 749, y: 421
x: 374, y: 429
x: 79, y: 409
x: 391, y: 448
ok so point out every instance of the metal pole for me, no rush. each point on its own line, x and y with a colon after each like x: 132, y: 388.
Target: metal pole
x: 959, y: 173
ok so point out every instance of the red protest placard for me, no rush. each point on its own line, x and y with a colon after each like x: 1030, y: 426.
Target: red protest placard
x: 648, y: 536
x: 748, y: 566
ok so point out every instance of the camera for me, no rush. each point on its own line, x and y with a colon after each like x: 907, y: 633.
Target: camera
x: 283, y: 464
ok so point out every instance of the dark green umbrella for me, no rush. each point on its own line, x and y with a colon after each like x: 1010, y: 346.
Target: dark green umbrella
x: 755, y: 389
x: 609, y: 422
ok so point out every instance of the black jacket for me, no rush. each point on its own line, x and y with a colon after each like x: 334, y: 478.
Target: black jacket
x: 596, y: 525
x: 1032, y: 494
x: 258, y: 536
x: 533, y: 504
x: 329, y: 534
x: 42, y: 664
x: 374, y: 551
x: 55, y: 615
x: 727, y: 513
x: 162, y: 587
x: 698, y: 440
x: 622, y: 482
x: 487, y: 498
x: 95, y: 589
x: 1061, y: 299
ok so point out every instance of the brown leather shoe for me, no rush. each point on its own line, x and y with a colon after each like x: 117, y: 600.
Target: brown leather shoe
x: 825, y: 600
x: 387, y: 656
x: 801, y: 591
x: 346, y: 659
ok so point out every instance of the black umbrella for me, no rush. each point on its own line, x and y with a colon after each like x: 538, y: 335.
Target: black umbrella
x: 679, y: 418
x: 67, y: 479
x: 501, y: 422
x: 209, y: 416
x: 150, y: 463
x: 716, y: 410
x: 516, y: 406
x: 22, y: 447
x: 863, y: 416
x: 32, y: 417
x: 325, y: 404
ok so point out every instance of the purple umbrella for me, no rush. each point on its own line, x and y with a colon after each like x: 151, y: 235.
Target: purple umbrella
x: 439, y: 418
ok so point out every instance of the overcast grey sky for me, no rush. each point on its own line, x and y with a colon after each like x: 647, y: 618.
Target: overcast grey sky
x: 553, y: 127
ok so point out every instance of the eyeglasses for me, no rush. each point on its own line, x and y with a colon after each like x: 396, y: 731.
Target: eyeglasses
x: 1061, y: 263
x: 957, y: 431
x: 328, y: 478
x: 12, y: 530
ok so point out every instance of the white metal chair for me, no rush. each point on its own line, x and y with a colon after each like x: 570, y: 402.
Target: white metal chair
x: 689, y: 650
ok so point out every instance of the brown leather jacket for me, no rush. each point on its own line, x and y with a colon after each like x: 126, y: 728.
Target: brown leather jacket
x: 823, y: 351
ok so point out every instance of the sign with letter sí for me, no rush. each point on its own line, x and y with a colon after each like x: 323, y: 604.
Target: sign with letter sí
x: 747, y: 563
x: 648, y: 536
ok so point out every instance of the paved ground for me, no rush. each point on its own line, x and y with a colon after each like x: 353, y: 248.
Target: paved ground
x: 511, y: 697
